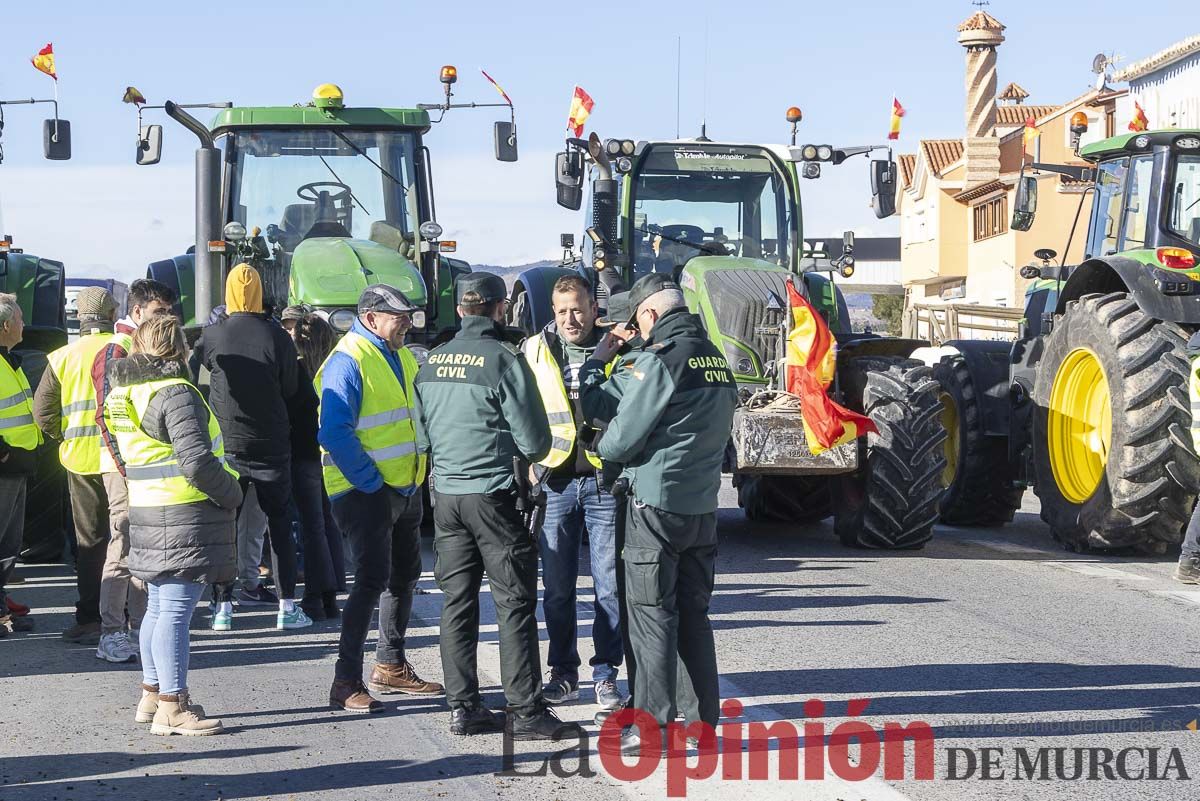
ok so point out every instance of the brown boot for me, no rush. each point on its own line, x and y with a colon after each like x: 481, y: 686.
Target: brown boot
x: 175, y: 716
x: 401, y: 679
x: 352, y: 696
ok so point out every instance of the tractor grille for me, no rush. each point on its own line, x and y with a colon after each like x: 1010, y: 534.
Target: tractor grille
x: 740, y: 300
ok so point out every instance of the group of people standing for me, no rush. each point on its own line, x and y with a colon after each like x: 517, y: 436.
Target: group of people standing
x: 171, y: 492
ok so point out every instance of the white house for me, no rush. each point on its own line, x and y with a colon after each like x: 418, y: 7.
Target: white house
x: 1167, y: 85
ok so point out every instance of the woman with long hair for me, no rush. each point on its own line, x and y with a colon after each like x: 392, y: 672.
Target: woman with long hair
x: 183, y: 503
x: 324, y: 561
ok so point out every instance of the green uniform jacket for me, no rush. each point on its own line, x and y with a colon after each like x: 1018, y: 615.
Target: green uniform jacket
x: 673, y: 418
x: 477, y: 406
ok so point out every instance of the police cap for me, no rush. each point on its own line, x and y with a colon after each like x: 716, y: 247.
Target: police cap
x: 618, y: 310
x: 646, y: 286
x: 489, y: 287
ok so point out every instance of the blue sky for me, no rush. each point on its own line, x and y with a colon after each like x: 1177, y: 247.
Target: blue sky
x: 839, y: 62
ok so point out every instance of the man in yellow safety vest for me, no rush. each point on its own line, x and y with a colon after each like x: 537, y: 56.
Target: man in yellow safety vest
x: 64, y: 407
x: 19, y: 436
x: 1188, y: 570
x: 574, y: 502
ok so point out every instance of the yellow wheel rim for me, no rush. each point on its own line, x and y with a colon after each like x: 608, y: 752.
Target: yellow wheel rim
x: 950, y: 446
x: 1080, y: 425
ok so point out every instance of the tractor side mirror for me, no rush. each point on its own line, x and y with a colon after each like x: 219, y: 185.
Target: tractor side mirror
x: 504, y: 137
x: 149, y: 148
x: 1025, y: 205
x: 883, y: 187
x: 56, y: 139
x: 568, y: 179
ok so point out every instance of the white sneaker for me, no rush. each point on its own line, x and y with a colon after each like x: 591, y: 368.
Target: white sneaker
x: 116, y: 647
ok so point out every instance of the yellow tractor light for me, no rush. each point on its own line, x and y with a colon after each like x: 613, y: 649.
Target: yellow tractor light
x: 794, y: 115
x: 449, y: 74
x: 328, y: 96
x: 1079, y: 123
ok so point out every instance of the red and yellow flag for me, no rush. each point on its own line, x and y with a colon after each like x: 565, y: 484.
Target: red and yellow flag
x: 897, y: 113
x: 581, y: 109
x: 492, y: 81
x: 811, y: 361
x: 1032, y: 132
x: 1139, y: 121
x: 44, y: 61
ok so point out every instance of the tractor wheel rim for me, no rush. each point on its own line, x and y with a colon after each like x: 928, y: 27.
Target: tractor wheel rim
x: 950, y: 446
x: 1080, y: 425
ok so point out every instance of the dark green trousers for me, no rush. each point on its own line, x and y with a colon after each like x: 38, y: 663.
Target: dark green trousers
x: 669, y: 573
x: 474, y: 534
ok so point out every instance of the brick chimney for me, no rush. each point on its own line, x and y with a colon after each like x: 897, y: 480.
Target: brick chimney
x: 981, y: 34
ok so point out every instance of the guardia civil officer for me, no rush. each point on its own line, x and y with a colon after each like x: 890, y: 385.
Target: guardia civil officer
x: 670, y: 430
x: 477, y: 408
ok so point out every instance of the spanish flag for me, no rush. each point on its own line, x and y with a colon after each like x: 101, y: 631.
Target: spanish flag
x: 44, y: 61
x: 897, y: 113
x: 1032, y: 132
x: 811, y: 361
x: 492, y: 81
x: 1139, y: 121
x: 581, y: 109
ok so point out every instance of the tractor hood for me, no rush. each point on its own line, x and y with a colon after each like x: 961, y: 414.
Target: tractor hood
x: 333, y: 271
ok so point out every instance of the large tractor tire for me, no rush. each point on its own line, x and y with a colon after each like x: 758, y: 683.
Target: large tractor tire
x: 786, y: 499
x: 978, y: 476
x: 1112, y: 461
x: 892, y: 500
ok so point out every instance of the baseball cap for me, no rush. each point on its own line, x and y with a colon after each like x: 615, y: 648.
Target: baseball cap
x: 489, y: 287
x: 387, y: 299
x: 618, y: 310
x: 646, y: 286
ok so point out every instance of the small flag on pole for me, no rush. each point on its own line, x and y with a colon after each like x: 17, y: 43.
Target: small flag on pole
x: 1032, y: 132
x: 897, y: 113
x: 44, y: 61
x: 1139, y: 121
x: 581, y: 109
x: 492, y: 81
x: 132, y: 95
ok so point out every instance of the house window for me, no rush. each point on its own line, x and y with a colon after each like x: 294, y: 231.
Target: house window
x: 991, y: 217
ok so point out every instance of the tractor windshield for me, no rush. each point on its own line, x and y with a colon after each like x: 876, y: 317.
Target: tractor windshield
x: 700, y: 199
x: 1184, y: 215
x: 308, y: 182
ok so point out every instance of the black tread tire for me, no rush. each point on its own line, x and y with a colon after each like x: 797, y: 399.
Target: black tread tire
x: 786, y: 499
x: 892, y: 501
x: 981, y: 492
x: 1152, y: 474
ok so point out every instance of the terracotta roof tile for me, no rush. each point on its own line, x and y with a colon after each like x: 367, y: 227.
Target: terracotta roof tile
x: 1014, y: 91
x: 981, y: 21
x: 908, y: 165
x: 1016, y: 115
x: 1160, y: 59
x: 941, y: 153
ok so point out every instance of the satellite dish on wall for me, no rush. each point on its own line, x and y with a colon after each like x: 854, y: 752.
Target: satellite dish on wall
x: 1099, y: 63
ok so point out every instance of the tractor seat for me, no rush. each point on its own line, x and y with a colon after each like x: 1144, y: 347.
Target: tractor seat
x: 298, y: 218
x: 686, y: 233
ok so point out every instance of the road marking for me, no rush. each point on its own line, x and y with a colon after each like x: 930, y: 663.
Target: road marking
x: 1004, y: 546
x: 1094, y: 570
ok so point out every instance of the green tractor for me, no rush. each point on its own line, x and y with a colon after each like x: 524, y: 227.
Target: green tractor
x: 1090, y: 404
x: 725, y: 221
x: 40, y: 286
x: 322, y: 199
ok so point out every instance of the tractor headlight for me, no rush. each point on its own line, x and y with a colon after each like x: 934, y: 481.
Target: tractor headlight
x: 234, y: 232
x: 825, y: 153
x: 613, y: 147
x: 624, y: 164
x: 811, y: 169
x: 1142, y: 141
x: 342, y: 320
x: 1188, y: 142
x: 627, y: 147
x: 809, y: 152
x: 419, y: 352
x: 418, y: 319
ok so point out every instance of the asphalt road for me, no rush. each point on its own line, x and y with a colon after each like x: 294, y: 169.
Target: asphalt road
x: 992, y: 638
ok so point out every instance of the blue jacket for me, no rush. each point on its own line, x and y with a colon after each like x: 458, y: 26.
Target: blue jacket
x: 341, y: 399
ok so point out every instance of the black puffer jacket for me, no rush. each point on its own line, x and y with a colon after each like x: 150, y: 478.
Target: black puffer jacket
x: 191, y: 541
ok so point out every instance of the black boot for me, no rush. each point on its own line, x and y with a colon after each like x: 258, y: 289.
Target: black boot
x: 543, y: 725
x: 475, y: 720
x: 329, y: 601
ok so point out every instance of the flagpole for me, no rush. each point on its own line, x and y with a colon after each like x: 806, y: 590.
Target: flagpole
x: 55, y: 109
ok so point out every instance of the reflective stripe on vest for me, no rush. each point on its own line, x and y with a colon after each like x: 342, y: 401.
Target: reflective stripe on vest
x: 125, y: 342
x: 1194, y: 395
x: 16, y: 409
x: 151, y: 468
x: 558, y: 406
x: 72, y: 365
x: 385, y: 427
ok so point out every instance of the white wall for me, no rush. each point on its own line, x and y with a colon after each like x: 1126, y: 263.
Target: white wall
x: 1170, y: 97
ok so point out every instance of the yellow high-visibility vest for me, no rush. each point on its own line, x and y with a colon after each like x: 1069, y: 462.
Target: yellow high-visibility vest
x: 558, y: 406
x: 124, y: 341
x: 16, y: 409
x: 1194, y: 394
x: 385, y: 427
x: 151, y: 468
x: 72, y: 365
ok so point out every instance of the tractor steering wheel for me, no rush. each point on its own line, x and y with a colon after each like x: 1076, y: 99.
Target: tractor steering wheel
x: 313, y: 197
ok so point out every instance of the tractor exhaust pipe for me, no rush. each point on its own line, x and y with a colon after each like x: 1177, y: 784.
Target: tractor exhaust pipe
x: 208, y: 211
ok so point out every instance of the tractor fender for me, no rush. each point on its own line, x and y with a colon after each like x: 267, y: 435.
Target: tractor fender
x: 861, y: 345
x: 988, y: 361
x: 537, y: 284
x: 932, y: 355
x: 1121, y: 274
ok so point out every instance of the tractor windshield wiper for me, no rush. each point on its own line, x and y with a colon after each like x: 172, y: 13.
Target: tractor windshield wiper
x: 377, y: 165
x: 712, y: 248
x: 357, y: 202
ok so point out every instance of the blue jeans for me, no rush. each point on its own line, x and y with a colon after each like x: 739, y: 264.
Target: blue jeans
x: 164, y: 634
x: 572, y: 505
